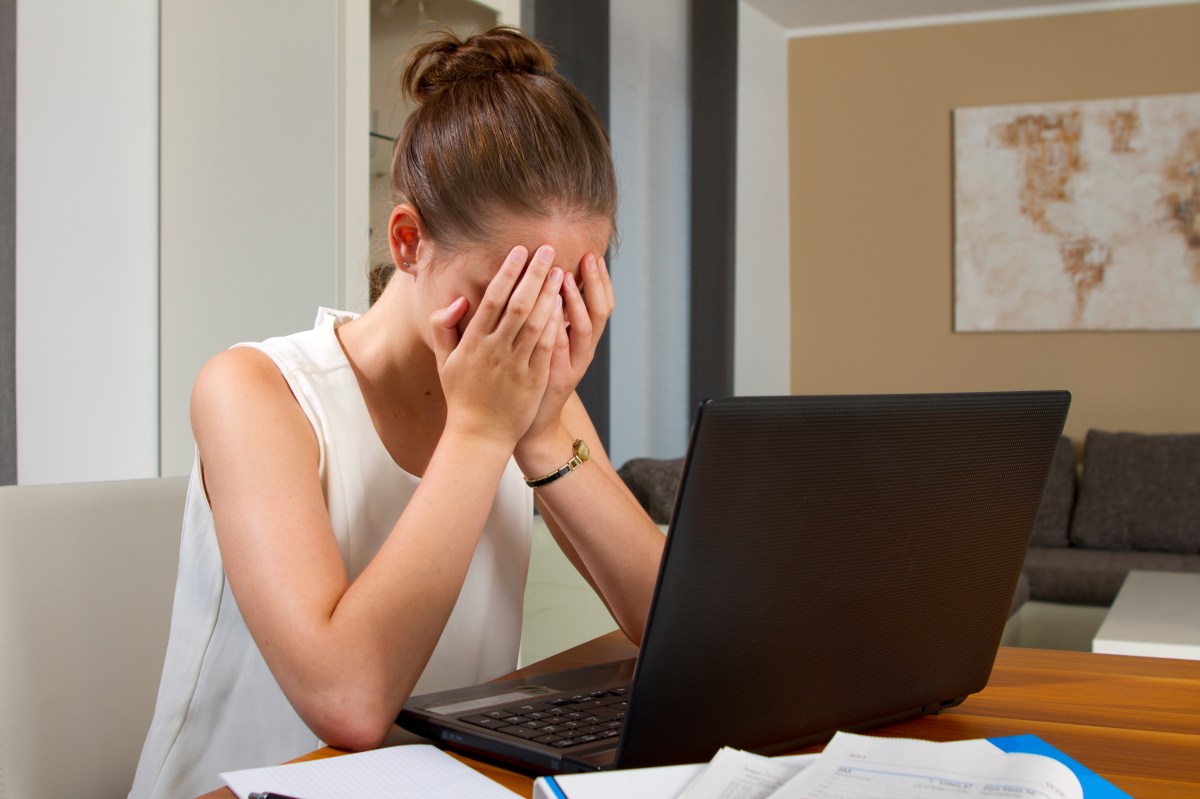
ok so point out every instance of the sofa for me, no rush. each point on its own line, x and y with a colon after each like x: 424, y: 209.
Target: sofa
x: 1132, y: 501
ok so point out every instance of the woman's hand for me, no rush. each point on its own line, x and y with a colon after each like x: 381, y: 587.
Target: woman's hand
x: 587, y: 313
x: 496, y: 374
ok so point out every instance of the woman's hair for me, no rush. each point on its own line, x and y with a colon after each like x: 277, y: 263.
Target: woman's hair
x: 497, y: 132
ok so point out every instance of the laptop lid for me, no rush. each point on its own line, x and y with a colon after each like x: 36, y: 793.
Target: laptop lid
x: 832, y: 563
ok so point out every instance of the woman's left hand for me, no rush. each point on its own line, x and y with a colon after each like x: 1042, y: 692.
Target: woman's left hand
x: 586, y: 313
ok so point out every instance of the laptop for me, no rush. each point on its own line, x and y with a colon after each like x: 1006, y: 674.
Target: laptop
x: 832, y: 563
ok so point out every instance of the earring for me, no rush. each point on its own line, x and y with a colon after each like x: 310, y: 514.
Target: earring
x: 404, y: 264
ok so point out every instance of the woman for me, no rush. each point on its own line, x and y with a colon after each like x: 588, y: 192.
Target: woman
x: 357, y: 526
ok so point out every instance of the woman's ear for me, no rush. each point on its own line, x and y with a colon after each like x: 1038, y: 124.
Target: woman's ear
x: 404, y: 237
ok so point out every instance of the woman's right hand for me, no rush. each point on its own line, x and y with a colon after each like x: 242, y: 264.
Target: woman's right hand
x: 495, y: 374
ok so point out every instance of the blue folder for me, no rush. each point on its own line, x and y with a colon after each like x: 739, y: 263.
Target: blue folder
x: 1094, y: 786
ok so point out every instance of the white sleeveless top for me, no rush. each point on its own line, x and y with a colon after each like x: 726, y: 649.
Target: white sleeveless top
x: 219, y: 708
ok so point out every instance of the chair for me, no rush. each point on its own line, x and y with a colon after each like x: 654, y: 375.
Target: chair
x: 87, y: 574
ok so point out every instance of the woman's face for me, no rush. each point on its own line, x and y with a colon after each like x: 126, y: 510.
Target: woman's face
x: 467, y: 274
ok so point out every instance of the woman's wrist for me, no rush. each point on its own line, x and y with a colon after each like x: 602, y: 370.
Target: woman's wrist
x: 483, y: 438
x: 545, y: 452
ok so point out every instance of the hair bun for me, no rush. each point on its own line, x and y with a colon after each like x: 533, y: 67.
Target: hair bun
x: 448, y: 59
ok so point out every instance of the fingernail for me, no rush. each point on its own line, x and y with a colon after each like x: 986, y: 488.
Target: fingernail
x: 556, y: 276
x: 590, y: 263
x: 570, y: 278
x: 519, y: 253
x: 604, y: 266
x: 545, y: 254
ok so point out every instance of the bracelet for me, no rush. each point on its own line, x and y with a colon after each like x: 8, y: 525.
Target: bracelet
x: 581, y: 455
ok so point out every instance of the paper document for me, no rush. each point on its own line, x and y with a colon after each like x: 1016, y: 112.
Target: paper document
x: 418, y: 770
x: 734, y: 774
x: 661, y: 782
x: 858, y: 766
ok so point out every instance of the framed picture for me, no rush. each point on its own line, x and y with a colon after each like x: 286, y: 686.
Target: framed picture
x: 1078, y: 215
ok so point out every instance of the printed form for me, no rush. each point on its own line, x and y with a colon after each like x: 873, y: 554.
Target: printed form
x: 858, y: 767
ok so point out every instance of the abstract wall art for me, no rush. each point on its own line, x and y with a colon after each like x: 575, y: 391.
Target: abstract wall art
x: 1078, y: 215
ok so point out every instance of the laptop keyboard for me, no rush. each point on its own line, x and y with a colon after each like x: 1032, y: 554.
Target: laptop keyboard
x: 563, y: 722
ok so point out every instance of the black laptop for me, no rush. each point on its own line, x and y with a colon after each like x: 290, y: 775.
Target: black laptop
x: 832, y: 563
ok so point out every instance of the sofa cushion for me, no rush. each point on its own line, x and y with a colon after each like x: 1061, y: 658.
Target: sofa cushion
x: 1051, y: 529
x: 1092, y: 576
x: 1139, y: 492
x: 653, y: 482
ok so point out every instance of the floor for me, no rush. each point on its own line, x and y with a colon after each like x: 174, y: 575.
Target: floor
x: 1050, y: 625
x: 561, y: 609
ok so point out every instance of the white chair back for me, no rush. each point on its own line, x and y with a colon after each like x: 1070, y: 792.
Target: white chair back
x: 87, y: 574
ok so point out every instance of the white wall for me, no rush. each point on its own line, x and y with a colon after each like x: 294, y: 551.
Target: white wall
x: 250, y: 183
x: 87, y: 245
x: 353, y: 151
x: 762, y: 323
x: 649, y: 127
x: 251, y: 243
x: 264, y: 208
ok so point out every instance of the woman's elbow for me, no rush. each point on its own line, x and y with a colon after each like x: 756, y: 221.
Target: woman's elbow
x: 354, y: 732
x: 355, y: 720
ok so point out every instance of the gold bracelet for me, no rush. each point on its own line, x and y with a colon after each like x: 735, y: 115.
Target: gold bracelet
x: 581, y: 455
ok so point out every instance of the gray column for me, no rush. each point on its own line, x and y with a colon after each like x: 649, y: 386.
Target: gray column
x: 714, y: 40
x: 8, y: 242
x: 577, y: 33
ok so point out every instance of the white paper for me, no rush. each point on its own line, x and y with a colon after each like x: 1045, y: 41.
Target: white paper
x: 859, y: 766
x: 734, y: 774
x: 397, y: 772
x: 661, y: 782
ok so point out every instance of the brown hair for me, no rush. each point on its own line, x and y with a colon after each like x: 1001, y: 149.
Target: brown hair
x: 496, y: 131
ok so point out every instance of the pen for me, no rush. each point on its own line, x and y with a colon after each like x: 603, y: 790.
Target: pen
x: 268, y: 795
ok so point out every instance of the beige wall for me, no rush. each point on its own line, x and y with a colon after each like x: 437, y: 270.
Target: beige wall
x: 872, y: 224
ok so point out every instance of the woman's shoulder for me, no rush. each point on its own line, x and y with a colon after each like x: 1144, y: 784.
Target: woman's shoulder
x: 241, y: 382
x: 241, y: 404
x: 238, y: 368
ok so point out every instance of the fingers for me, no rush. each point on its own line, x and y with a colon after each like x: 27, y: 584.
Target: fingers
x: 496, y: 297
x: 529, y: 297
x: 520, y: 301
x: 606, y: 282
x: 551, y: 337
x: 444, y: 323
x: 579, y: 322
x: 547, y: 310
x: 588, y: 317
x: 597, y: 287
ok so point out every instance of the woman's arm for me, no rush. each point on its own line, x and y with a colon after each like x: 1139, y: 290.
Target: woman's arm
x: 593, y: 516
x: 347, y: 654
x: 598, y: 523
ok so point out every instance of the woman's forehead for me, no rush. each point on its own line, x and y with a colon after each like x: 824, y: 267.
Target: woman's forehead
x: 570, y: 234
x: 572, y: 238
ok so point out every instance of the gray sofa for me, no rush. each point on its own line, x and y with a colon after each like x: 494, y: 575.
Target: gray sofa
x: 1133, y: 503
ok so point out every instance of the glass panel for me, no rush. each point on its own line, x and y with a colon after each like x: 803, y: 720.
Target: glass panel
x: 396, y: 25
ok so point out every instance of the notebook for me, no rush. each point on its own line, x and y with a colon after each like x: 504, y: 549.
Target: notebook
x: 832, y: 563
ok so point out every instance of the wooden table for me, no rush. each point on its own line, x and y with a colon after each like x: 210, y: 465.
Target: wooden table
x: 1133, y: 720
